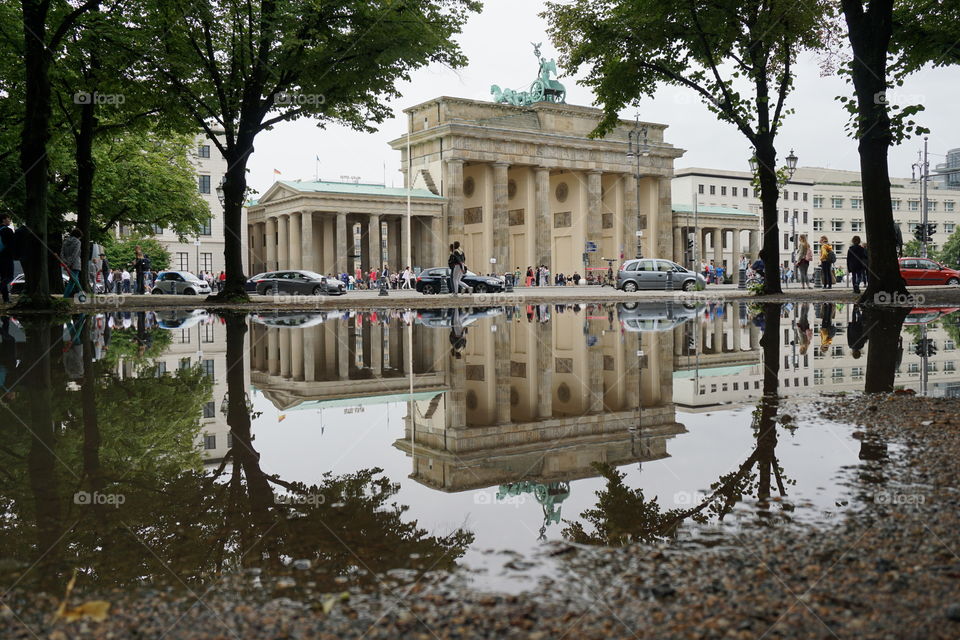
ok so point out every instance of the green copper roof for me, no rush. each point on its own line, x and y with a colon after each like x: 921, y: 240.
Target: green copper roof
x: 727, y: 211
x: 358, y: 189
x: 707, y: 372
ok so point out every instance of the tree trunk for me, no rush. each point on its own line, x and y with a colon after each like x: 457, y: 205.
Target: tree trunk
x: 769, y: 196
x: 85, y: 174
x: 869, y: 35
x: 770, y: 343
x: 34, y: 138
x: 234, y: 191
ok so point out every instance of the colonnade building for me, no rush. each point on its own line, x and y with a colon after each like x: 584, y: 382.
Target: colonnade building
x: 517, y: 186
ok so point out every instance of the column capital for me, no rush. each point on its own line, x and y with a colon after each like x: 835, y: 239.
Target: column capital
x: 459, y: 161
x: 501, y: 165
x: 594, y: 172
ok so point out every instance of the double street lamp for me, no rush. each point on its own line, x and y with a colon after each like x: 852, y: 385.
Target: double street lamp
x: 637, y: 146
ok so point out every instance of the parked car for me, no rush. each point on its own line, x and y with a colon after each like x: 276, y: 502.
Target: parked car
x: 18, y: 284
x: 923, y: 271
x: 180, y: 319
x: 298, y: 282
x: 283, y: 320
x: 174, y: 283
x: 429, y: 281
x: 651, y: 274
x: 445, y: 318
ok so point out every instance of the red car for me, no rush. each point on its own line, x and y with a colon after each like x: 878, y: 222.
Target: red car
x: 923, y: 271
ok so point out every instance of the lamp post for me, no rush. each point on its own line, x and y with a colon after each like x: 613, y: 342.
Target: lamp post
x: 637, y: 146
x: 789, y: 170
x: 923, y: 166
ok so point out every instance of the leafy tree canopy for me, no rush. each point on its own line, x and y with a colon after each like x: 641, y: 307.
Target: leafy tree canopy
x: 121, y: 252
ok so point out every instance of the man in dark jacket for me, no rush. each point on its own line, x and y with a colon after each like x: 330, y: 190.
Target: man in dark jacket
x: 6, y: 256
x: 857, y: 263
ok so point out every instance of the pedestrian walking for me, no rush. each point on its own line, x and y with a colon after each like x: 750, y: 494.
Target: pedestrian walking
x: 70, y: 258
x: 140, y: 265
x: 856, y: 263
x: 458, y: 266
x: 827, y: 259
x: 802, y: 260
x: 125, y: 281
x: 408, y: 278
x: 7, y: 250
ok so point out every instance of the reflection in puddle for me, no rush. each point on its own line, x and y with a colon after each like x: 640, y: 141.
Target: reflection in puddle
x: 339, y: 448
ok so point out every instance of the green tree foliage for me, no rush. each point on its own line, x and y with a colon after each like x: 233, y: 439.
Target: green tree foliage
x: 736, y: 55
x: 120, y: 253
x: 239, y: 68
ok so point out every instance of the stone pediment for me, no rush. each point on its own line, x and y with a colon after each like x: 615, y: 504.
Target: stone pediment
x: 278, y: 191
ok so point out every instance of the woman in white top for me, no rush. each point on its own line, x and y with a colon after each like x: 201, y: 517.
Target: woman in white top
x: 407, y: 277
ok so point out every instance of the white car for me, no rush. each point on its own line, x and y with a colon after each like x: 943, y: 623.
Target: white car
x: 179, y: 282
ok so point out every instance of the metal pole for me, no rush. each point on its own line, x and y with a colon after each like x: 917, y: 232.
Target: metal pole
x: 924, y: 173
x: 638, y: 239
x: 696, y: 229
x: 409, y: 220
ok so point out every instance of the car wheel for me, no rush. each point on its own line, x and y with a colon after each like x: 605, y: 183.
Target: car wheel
x: 629, y: 286
x: 688, y: 285
x: 189, y: 292
x: 480, y: 288
x: 429, y: 289
x: 156, y: 291
x: 631, y: 306
x: 268, y: 291
x: 317, y: 290
x: 953, y: 281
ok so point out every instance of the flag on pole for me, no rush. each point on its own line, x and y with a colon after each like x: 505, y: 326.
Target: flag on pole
x: 275, y: 172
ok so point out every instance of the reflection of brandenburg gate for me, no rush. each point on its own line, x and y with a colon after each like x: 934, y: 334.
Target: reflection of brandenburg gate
x: 527, y: 401
x: 541, y: 402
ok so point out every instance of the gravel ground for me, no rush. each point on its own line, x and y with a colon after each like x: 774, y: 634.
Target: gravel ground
x: 890, y: 569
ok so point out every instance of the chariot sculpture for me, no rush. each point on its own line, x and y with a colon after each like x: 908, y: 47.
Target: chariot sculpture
x: 543, y: 89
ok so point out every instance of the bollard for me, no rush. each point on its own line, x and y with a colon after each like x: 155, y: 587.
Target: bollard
x: 669, y: 280
x: 508, y: 283
x: 383, y: 287
x: 817, y: 278
x: 742, y: 283
x: 444, y: 285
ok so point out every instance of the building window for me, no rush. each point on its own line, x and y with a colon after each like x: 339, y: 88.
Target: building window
x: 931, y: 205
x: 796, y: 196
x: 817, y: 224
x: 949, y: 365
x: 786, y: 241
x: 948, y: 206
x: 700, y: 189
x: 805, y: 194
x: 184, y: 364
x: 836, y: 372
x: 204, y: 183
x: 723, y: 191
x: 856, y: 226
x: 836, y: 202
x: 913, y: 367
x: 208, y: 368
x: 207, y: 334
x: 209, y: 441
x: 913, y: 205
x: 856, y: 371
x: 713, y: 190
x: 744, y: 192
x: 895, y: 204
x: 184, y: 336
x: 948, y: 227
x: 206, y: 262
x: 804, y: 216
x: 203, y: 151
x: 818, y: 202
x: 161, y: 369
x: 183, y: 261
x: 856, y: 203
x: 209, y: 410
x: 836, y: 225
x: 207, y: 228
x: 786, y: 216
x: 157, y: 229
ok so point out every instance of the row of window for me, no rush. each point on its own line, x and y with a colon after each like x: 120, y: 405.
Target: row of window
x: 857, y: 226
x: 210, y: 440
x: 182, y: 260
x: 744, y: 192
x: 207, y: 335
x: 837, y: 202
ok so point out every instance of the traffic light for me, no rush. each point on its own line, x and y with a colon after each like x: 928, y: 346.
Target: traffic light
x: 925, y: 348
x: 918, y: 232
x: 689, y: 245
x: 925, y: 233
x: 931, y: 229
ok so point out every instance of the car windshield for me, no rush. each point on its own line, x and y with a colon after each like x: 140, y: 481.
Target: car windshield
x: 312, y: 275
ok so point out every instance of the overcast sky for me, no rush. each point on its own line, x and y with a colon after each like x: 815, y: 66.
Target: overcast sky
x: 497, y: 44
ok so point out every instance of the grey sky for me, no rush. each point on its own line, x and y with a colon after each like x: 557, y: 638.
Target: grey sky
x: 497, y: 43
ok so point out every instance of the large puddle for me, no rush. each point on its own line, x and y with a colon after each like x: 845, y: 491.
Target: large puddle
x: 335, y: 450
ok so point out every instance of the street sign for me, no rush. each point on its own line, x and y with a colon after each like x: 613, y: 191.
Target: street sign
x: 591, y: 247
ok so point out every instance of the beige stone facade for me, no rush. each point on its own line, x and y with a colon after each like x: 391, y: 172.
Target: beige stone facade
x: 527, y: 185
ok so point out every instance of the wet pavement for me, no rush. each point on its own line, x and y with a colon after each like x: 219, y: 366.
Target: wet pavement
x: 339, y: 451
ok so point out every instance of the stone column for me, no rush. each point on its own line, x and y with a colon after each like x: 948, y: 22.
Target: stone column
x: 754, y: 244
x: 664, y: 239
x: 501, y: 225
x: 343, y: 348
x: 283, y: 241
x: 631, y: 215
x: 501, y: 345
x: 376, y: 350
x: 594, y: 228
x: 296, y: 248
x: 308, y: 260
x: 273, y: 351
x: 271, y: 227
x: 544, y: 221
x: 545, y: 365
x: 737, y: 337
x: 310, y: 352
x: 718, y: 246
x: 735, y: 259
x: 341, y: 242
x: 453, y: 185
x: 284, y: 352
x: 678, y: 245
x: 404, y: 260
x: 373, y: 239
x: 296, y: 353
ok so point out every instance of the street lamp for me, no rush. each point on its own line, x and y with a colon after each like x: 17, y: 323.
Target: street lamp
x: 220, y: 195
x: 637, y: 146
x: 754, y: 164
x: 791, y: 164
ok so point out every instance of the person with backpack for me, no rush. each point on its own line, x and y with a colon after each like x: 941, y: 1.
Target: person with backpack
x: 828, y: 258
x: 6, y: 256
x: 857, y: 263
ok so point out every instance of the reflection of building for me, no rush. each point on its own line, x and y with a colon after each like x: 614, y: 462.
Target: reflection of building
x: 541, y: 402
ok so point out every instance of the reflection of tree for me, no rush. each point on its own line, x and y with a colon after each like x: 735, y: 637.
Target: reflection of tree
x: 623, y: 515
x: 883, y: 357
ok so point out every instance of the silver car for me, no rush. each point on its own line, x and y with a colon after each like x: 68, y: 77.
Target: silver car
x: 179, y: 282
x: 655, y: 274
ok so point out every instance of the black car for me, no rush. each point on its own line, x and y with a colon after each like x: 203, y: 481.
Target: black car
x: 299, y: 282
x: 429, y: 281
x: 251, y: 285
